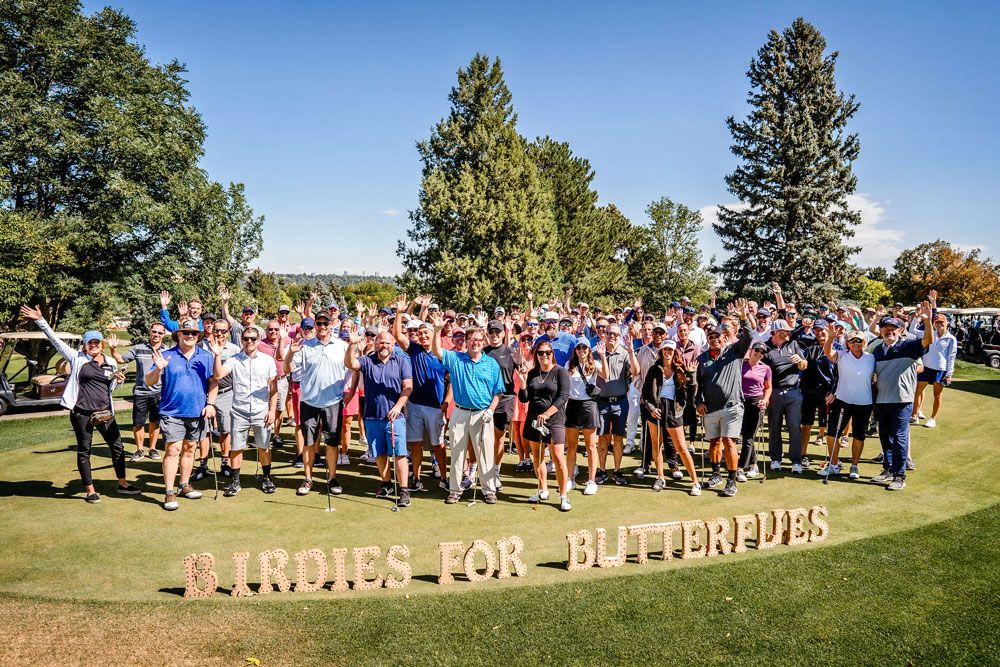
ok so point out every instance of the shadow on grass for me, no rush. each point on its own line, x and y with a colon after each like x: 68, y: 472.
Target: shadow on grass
x: 989, y: 388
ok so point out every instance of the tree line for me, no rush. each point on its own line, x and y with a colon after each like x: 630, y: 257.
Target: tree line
x: 103, y: 202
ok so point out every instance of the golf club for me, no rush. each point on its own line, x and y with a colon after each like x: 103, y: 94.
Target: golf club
x: 642, y: 456
x: 392, y: 462
x: 758, y: 435
x: 211, y: 450
x: 478, y: 474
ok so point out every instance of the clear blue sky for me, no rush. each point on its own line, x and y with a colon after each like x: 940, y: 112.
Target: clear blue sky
x: 316, y: 106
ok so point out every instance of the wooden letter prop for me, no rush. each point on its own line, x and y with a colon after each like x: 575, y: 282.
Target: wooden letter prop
x: 240, y: 588
x: 766, y: 540
x: 797, y: 533
x: 200, y: 565
x: 394, y: 559
x: 510, y: 550
x: 691, y: 546
x: 479, y: 546
x: 339, y: 582
x: 669, y: 530
x: 718, y: 537
x: 364, y: 567
x: 817, y: 515
x: 745, y: 524
x: 603, y: 559
x: 277, y: 571
x: 448, y: 553
x: 302, y: 583
x: 580, y: 541
x: 641, y: 534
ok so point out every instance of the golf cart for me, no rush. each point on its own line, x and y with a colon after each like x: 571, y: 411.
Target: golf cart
x: 978, y: 333
x: 37, y: 371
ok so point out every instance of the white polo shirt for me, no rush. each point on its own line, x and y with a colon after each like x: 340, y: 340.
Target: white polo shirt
x: 854, y: 384
x: 251, y: 380
x: 323, y: 372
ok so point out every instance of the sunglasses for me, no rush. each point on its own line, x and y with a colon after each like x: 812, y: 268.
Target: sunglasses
x: 273, y: 329
x: 189, y: 333
x: 218, y: 331
x: 602, y: 327
x: 369, y: 335
x: 249, y: 339
x: 458, y: 336
x: 544, y: 353
x: 322, y: 324
x: 156, y: 333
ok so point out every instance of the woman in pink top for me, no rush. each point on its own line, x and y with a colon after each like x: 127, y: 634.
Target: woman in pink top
x: 756, y: 394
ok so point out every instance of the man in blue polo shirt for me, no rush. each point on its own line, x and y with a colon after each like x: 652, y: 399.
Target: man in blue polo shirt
x: 896, y: 384
x: 563, y: 343
x: 388, y: 376
x: 187, y: 401
x: 190, y: 310
x: 477, y: 385
x: 425, y: 410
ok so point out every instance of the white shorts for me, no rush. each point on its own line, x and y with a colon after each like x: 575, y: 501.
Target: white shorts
x: 241, y: 427
x: 724, y: 423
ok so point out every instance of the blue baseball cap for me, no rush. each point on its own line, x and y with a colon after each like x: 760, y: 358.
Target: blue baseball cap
x: 890, y: 322
x: 92, y: 335
x: 675, y: 304
x: 582, y: 340
x: 308, y: 323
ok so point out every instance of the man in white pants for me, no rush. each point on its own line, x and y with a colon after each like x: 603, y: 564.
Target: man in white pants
x: 255, y: 401
x: 476, y: 384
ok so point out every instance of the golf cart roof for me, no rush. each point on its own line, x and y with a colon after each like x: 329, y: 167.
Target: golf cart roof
x: 37, y: 335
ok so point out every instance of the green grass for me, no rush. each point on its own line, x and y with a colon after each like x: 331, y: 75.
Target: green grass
x: 903, y: 576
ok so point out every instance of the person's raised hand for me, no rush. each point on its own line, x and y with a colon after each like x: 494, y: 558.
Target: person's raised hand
x: 436, y: 321
x: 297, y: 343
x: 300, y: 308
x: 932, y: 298
x: 401, y: 303
x: 926, y: 307
x: 112, y: 342
x: 182, y: 309
x: 776, y: 288
x: 159, y: 360
x: 531, y: 295
x: 164, y: 299
x: 359, y: 306
x: 31, y: 313
x: 224, y: 294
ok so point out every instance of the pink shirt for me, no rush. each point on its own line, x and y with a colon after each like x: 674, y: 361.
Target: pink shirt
x: 754, y: 378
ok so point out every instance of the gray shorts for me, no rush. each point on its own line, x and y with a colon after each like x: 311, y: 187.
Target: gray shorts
x: 282, y: 392
x: 424, y: 424
x: 241, y: 426
x: 223, y: 413
x: 176, y: 429
x: 724, y: 423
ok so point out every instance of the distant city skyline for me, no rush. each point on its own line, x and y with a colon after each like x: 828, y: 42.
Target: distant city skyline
x: 317, y: 107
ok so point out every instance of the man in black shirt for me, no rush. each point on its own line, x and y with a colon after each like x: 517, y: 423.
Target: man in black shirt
x: 500, y: 349
x: 787, y: 359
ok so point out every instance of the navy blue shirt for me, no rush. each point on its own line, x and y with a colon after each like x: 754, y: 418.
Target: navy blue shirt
x: 185, y: 382
x: 384, y: 382
x: 428, y: 377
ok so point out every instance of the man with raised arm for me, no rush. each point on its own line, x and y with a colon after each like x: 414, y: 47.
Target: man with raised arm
x: 477, y: 385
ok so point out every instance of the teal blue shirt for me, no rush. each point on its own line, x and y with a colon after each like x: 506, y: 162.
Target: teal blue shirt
x: 473, y: 383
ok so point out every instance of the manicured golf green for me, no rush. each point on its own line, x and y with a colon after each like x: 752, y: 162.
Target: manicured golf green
x: 121, y: 561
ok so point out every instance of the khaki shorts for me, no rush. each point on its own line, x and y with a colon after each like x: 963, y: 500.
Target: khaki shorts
x: 724, y: 423
x: 241, y: 427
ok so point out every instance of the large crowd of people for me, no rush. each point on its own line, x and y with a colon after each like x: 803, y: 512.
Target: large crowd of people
x: 469, y: 388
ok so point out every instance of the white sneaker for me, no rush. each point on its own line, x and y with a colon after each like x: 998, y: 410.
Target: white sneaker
x: 855, y: 473
x: 564, y: 504
x: 752, y: 472
x: 344, y: 460
x: 695, y: 490
x: 741, y: 476
x: 590, y: 489
x: 832, y: 469
x: 775, y: 465
x: 931, y: 423
x: 629, y: 448
x: 914, y: 419
x: 843, y: 442
x: 540, y: 495
x: 572, y: 484
x: 797, y: 468
x: 920, y: 414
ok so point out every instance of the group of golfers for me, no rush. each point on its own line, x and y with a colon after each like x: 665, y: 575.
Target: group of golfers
x: 628, y: 382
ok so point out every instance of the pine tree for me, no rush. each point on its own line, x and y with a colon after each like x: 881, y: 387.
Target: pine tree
x: 795, y: 174
x: 483, y: 231
x: 591, y: 239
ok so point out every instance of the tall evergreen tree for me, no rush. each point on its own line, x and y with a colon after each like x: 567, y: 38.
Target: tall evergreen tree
x: 592, y: 239
x: 483, y: 230
x: 795, y: 174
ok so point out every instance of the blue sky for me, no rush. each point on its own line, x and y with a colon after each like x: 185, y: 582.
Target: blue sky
x: 316, y: 107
